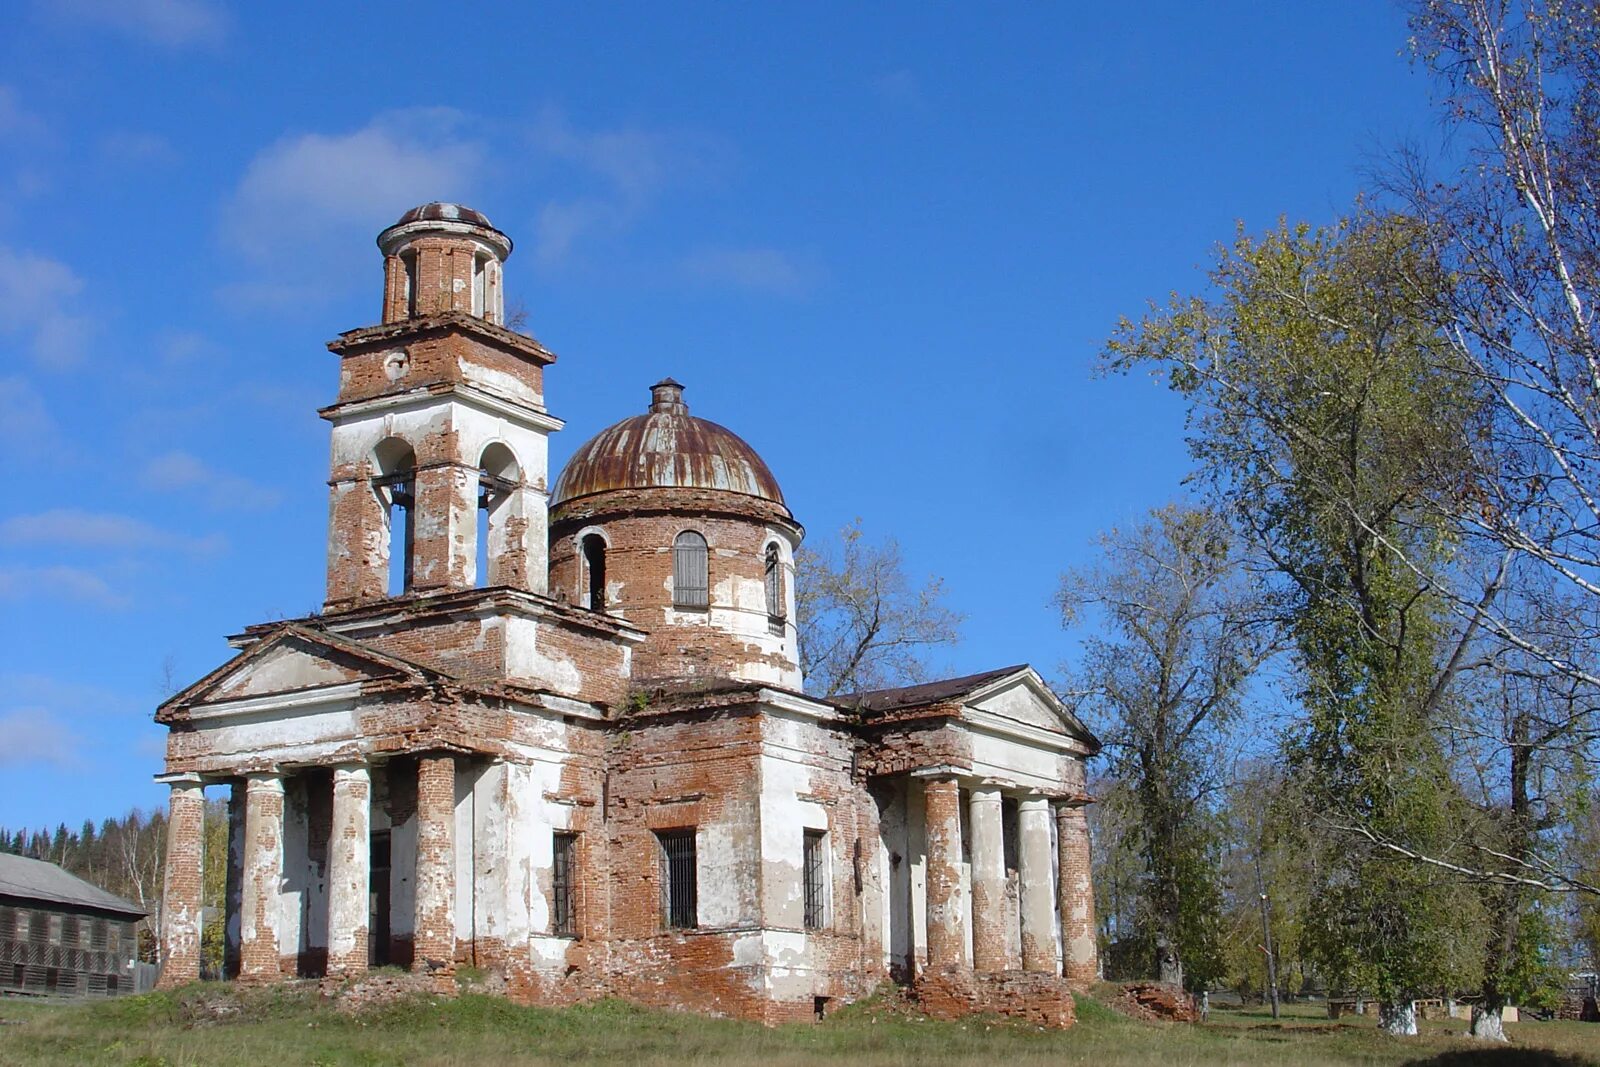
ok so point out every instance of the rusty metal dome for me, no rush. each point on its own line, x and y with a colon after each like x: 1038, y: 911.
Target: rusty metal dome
x: 440, y: 211
x: 666, y: 448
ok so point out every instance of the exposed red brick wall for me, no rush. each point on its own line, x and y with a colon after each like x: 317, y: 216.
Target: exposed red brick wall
x: 1076, y: 891
x: 640, y: 526
x: 946, y: 937
x: 181, y: 900
x: 434, y: 938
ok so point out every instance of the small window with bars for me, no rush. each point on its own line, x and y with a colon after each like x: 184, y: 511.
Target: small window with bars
x: 774, y: 585
x: 564, y: 886
x: 691, y: 584
x: 678, y: 904
x: 816, y: 879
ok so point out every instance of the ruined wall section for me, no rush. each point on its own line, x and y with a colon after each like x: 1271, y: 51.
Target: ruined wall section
x: 806, y: 785
x: 677, y: 771
x: 734, y: 637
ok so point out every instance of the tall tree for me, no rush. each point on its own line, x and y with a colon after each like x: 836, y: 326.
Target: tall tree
x: 1321, y: 424
x: 863, y: 623
x: 1183, y: 632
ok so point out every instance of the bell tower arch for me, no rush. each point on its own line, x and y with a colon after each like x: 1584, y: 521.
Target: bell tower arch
x: 443, y: 384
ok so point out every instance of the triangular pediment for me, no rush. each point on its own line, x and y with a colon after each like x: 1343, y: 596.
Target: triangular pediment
x: 292, y: 660
x: 1024, y: 699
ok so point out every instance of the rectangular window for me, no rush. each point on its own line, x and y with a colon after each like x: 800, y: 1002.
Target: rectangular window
x: 678, y: 905
x: 816, y: 879
x: 564, y: 886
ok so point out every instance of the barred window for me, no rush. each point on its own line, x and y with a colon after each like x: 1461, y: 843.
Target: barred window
x: 816, y: 879
x: 564, y: 885
x: 774, y: 583
x: 691, y: 586
x: 678, y: 904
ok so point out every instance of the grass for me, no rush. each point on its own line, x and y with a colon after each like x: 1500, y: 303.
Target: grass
x: 222, y: 1025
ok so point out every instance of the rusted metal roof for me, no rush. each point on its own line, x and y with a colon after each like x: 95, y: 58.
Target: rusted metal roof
x: 440, y: 211
x: 666, y: 447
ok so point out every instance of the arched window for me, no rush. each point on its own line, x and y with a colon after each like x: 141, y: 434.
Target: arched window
x: 691, y: 586
x: 774, y: 582
x: 594, y: 572
x: 499, y: 479
x: 396, y: 486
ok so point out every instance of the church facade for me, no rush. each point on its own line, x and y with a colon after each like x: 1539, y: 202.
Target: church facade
x: 560, y: 732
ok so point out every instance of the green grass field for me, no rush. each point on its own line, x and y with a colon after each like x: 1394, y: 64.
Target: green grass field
x: 288, y: 1026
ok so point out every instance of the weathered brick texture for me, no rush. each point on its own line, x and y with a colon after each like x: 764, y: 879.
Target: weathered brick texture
x: 946, y: 937
x: 434, y: 936
x: 1081, y: 957
x: 263, y: 871
x: 181, y: 901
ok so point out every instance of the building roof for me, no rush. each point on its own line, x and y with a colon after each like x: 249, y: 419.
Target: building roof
x: 46, y: 883
x: 910, y: 696
x: 440, y: 211
x: 666, y: 448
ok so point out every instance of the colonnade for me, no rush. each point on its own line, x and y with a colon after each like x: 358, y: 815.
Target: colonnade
x: 1052, y: 882
x: 260, y: 953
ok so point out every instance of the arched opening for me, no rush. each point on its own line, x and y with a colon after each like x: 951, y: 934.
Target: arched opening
x: 499, y: 483
x: 773, y: 578
x: 594, y: 572
x: 480, y: 285
x: 410, y: 261
x: 395, y: 484
x: 691, y: 585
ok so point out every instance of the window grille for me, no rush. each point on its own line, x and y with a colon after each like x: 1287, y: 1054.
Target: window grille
x: 816, y: 879
x: 564, y: 885
x: 691, y: 586
x: 774, y: 583
x: 678, y: 904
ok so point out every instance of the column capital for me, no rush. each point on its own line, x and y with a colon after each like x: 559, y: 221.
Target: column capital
x: 352, y: 772
x: 263, y: 782
x: 181, y: 778
x: 1033, y: 803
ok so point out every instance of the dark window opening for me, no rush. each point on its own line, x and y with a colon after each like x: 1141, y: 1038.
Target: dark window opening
x: 691, y: 585
x: 564, y: 885
x: 678, y: 904
x: 594, y: 567
x: 774, y: 584
x: 816, y: 879
x: 819, y: 1006
x: 398, y: 492
x: 410, y: 260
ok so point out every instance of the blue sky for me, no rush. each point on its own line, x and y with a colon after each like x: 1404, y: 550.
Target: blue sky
x: 883, y: 245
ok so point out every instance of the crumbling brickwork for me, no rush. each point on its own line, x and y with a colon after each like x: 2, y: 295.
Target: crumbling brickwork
x: 591, y: 769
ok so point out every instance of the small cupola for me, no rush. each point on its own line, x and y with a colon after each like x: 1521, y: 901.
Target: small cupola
x: 443, y: 257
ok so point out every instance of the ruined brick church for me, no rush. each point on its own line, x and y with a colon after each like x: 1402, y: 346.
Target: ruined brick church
x: 561, y: 733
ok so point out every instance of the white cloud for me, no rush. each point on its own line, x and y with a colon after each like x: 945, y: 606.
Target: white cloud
x: 179, y: 471
x: 173, y: 23
x: 363, y: 179
x: 628, y: 169
x: 70, y: 583
x: 760, y: 269
x: 101, y: 530
x: 35, y: 736
x: 39, y: 297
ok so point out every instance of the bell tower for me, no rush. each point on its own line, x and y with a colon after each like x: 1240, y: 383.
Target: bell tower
x: 440, y: 433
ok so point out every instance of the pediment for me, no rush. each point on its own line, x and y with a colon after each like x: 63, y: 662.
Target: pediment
x: 1024, y: 700
x: 293, y: 660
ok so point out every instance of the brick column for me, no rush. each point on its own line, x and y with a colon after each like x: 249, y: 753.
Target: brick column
x: 263, y: 878
x: 1038, y: 890
x: 180, y: 895
x: 349, y: 870
x: 988, y: 881
x: 434, y: 940
x: 946, y: 933
x: 1080, y: 953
